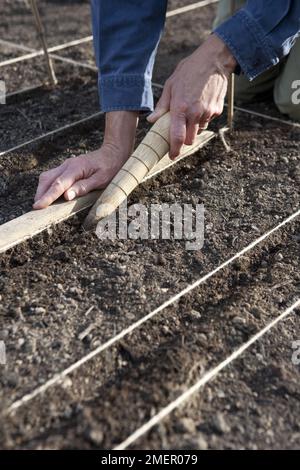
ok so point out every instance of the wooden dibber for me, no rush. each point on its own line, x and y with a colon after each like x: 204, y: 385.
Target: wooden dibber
x: 148, y: 154
x: 150, y: 157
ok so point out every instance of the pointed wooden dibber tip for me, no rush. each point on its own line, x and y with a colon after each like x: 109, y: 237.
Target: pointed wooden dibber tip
x: 96, y: 214
x: 149, y: 153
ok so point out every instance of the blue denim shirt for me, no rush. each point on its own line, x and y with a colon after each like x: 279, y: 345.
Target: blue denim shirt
x: 127, y: 32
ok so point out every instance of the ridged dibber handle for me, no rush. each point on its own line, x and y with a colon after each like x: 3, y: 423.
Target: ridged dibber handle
x: 151, y: 150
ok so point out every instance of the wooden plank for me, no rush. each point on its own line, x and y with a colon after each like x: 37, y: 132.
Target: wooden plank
x: 28, y: 225
x: 42, y: 38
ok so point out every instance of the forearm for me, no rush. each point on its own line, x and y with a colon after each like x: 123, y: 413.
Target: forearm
x: 126, y: 36
x: 261, y: 34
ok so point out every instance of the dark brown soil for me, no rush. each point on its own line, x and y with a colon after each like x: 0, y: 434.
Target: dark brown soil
x: 49, y: 284
x: 44, y: 110
x: 64, y: 21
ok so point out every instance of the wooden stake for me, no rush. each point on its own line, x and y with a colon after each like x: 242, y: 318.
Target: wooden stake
x: 230, y: 98
x: 230, y: 95
x: 147, y: 155
x: 41, y: 34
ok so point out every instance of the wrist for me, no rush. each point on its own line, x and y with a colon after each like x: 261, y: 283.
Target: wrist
x: 120, y: 130
x: 223, y: 58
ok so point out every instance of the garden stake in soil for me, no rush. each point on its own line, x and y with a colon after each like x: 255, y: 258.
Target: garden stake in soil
x: 41, y: 34
x: 155, y: 85
x: 231, y: 84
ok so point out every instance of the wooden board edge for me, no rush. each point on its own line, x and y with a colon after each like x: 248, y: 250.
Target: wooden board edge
x: 34, y: 222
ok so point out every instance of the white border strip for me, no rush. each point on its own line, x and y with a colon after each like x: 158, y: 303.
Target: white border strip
x: 164, y: 412
x: 60, y: 376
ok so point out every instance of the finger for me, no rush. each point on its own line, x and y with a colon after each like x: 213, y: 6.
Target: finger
x: 45, y: 181
x: 162, y: 106
x: 203, y: 127
x: 204, y: 121
x: 57, y: 189
x: 217, y: 113
x: 191, y: 132
x: 82, y: 187
x: 177, y: 133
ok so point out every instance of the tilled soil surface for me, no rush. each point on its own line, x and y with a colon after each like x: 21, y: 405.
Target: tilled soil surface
x: 60, y: 20
x: 65, y: 292
x: 43, y: 111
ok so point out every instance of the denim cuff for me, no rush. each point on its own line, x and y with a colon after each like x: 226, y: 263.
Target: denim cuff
x: 248, y: 43
x: 125, y: 92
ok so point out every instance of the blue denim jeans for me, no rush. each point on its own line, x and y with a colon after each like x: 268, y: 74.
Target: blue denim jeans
x: 281, y: 80
x: 127, y: 32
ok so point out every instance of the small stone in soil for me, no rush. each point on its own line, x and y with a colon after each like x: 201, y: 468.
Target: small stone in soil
x: 195, y: 443
x: 187, y: 425
x: 39, y: 310
x: 220, y: 425
x: 195, y: 314
x: 279, y: 257
x: 95, y: 436
x: 239, y: 321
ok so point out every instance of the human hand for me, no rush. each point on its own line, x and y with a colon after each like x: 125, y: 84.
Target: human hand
x: 195, y: 92
x: 80, y: 175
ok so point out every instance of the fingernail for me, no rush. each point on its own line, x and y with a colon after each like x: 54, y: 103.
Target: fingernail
x: 71, y: 195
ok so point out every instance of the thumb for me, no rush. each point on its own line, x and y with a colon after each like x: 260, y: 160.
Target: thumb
x: 163, y: 105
